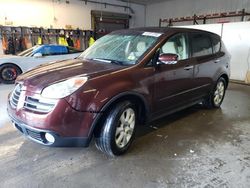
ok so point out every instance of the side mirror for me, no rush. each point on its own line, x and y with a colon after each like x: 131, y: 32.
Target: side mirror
x: 168, y: 58
x: 37, y: 55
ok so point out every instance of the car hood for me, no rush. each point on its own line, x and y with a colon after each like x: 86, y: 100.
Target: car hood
x: 36, y: 79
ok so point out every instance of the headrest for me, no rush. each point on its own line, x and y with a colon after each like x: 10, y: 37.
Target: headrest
x: 141, y: 46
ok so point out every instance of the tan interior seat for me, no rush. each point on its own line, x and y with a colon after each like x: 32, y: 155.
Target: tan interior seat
x: 169, y: 47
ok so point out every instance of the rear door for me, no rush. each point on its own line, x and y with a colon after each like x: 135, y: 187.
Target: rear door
x: 174, y: 80
x: 205, y: 61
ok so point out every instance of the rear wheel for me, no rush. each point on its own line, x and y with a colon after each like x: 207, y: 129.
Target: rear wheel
x: 9, y: 73
x: 215, y: 98
x: 118, y: 130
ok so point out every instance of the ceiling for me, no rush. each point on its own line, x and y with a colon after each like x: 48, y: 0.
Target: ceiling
x: 143, y: 2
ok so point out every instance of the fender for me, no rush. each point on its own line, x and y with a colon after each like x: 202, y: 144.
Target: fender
x: 117, y: 97
x: 126, y: 93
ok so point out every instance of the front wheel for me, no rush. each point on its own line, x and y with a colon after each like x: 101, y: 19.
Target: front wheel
x: 215, y: 98
x: 9, y: 73
x: 118, y: 130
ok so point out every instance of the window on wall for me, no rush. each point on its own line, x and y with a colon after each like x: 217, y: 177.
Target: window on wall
x: 201, y: 45
x: 176, y: 45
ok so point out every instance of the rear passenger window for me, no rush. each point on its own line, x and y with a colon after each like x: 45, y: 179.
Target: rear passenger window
x: 59, y: 50
x: 54, y: 50
x: 216, y: 43
x: 201, y: 45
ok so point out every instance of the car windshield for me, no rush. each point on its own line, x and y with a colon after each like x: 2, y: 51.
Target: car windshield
x: 29, y: 52
x: 120, y: 48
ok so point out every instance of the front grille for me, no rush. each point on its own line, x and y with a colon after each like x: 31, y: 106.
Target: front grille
x: 35, y: 135
x: 38, y: 104
x: 34, y: 103
x: 15, y: 96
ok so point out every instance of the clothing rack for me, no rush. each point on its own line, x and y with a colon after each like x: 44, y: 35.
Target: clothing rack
x: 16, y: 39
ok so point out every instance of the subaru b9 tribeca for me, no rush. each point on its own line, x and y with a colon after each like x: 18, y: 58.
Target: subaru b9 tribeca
x: 127, y: 78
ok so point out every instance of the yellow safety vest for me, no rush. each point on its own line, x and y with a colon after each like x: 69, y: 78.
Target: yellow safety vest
x: 62, y: 41
x: 91, y: 41
x: 39, y: 40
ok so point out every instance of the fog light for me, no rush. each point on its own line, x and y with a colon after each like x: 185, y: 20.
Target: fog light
x: 50, y: 138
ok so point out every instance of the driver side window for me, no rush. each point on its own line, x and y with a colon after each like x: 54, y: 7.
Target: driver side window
x: 177, y: 45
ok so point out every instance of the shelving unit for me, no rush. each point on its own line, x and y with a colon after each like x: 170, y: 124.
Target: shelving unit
x: 204, y: 17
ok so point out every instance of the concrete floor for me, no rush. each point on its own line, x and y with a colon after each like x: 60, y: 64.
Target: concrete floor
x: 192, y: 148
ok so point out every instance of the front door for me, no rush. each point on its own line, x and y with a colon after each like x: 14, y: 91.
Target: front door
x: 174, y: 79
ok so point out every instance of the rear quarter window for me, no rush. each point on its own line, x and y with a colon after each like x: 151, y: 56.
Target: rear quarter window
x: 216, y: 41
x: 201, y: 44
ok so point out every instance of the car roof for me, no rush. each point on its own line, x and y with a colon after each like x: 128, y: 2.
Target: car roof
x: 52, y: 45
x: 166, y: 30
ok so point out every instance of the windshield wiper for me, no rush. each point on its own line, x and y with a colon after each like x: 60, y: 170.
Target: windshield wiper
x: 109, y: 61
x: 117, y: 62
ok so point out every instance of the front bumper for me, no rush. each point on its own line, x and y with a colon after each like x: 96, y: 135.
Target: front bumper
x: 68, y: 126
x: 38, y: 135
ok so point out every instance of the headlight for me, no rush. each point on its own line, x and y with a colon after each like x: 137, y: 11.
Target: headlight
x: 64, y: 88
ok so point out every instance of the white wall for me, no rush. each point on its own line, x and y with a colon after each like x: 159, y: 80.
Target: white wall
x: 183, y: 8
x: 41, y: 13
x: 235, y: 35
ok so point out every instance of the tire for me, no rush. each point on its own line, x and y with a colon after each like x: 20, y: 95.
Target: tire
x: 215, y: 98
x: 9, y: 73
x: 117, y: 133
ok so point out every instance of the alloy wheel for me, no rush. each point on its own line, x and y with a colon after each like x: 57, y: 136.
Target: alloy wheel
x: 219, y: 93
x: 9, y: 74
x: 125, y: 128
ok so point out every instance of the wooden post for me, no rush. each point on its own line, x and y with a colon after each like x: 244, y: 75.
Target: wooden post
x: 160, y: 22
x: 243, y: 15
x: 195, y: 22
x: 170, y: 22
x: 204, y: 20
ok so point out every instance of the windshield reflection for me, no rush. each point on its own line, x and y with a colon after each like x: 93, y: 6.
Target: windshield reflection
x: 119, y: 49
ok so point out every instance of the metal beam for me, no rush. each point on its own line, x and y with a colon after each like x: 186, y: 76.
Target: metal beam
x: 109, y: 4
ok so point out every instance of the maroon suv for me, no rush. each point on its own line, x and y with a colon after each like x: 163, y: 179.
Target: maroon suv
x: 126, y: 78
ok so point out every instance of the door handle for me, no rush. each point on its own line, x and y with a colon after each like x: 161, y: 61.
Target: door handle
x: 188, y: 67
x: 217, y: 61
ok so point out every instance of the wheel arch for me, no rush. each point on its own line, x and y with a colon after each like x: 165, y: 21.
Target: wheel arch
x: 225, y: 76
x: 9, y: 63
x: 135, y: 98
